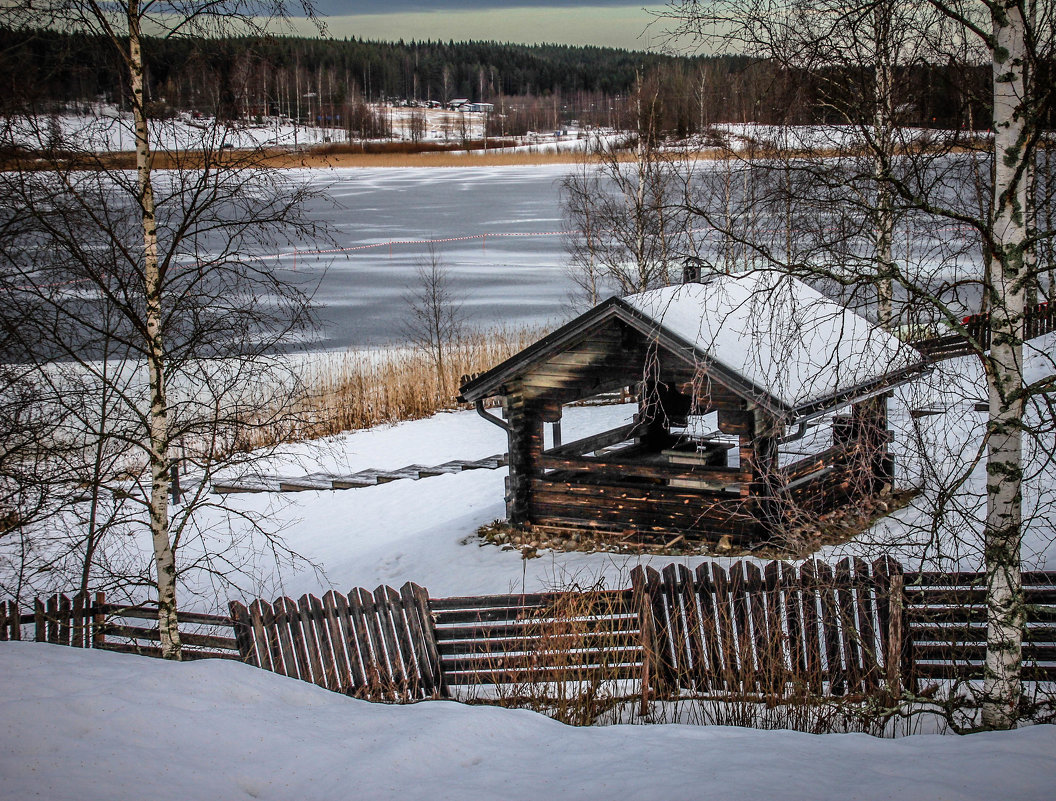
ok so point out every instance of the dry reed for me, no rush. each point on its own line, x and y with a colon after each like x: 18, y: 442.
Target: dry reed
x: 360, y: 389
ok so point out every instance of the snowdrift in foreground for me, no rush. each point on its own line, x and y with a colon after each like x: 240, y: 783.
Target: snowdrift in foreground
x: 96, y: 725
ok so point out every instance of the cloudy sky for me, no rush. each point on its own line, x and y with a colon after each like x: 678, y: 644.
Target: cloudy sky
x: 615, y: 23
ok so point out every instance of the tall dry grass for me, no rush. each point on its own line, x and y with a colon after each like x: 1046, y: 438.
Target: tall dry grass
x: 360, y: 389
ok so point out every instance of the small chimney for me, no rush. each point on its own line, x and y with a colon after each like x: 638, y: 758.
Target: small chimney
x: 691, y: 270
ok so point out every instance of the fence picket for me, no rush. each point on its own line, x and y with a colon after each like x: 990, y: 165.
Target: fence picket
x: 709, y: 629
x: 865, y: 590
x: 811, y: 638
x: 396, y: 639
x: 849, y: 638
x: 830, y: 621
x: 724, y: 624
x: 848, y: 630
x: 287, y: 628
x: 384, y: 681
x: 341, y: 679
x: 699, y: 672
x: 356, y: 677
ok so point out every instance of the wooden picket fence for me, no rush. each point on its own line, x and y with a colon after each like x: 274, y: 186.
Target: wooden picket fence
x: 766, y: 631
x: 88, y: 621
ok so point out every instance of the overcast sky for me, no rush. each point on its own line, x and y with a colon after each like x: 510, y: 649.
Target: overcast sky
x: 614, y: 23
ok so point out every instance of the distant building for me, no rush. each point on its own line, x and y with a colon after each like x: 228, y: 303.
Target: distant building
x: 456, y: 104
x: 483, y: 107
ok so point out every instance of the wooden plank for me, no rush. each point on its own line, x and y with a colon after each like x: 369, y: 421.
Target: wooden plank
x: 99, y: 620
x: 243, y: 630
x: 321, y: 627
x: 384, y: 684
x: 569, y: 639
x: 64, y: 632
x: 357, y: 677
x: 40, y: 621
x: 727, y: 637
x: 338, y: 642
x: 287, y: 623
x: 704, y: 590
x: 814, y: 674
x: 417, y: 647
x: 693, y: 624
x: 388, y: 632
x: 517, y: 678
x: 830, y: 621
x: 890, y: 606
x: 601, y: 466
x: 865, y: 591
x: 429, y: 631
x: 850, y: 637
x: 189, y: 639
x: 402, y: 625
x: 371, y: 673
x: 777, y: 665
x: 303, y: 629
x: 520, y: 601
x: 595, y: 441
x: 663, y: 636
x: 748, y: 675
x: 81, y: 631
x: 4, y: 621
x: 265, y: 637
x: 960, y: 653
x: 769, y: 678
x: 793, y: 618
x: 677, y: 631
x: 649, y: 678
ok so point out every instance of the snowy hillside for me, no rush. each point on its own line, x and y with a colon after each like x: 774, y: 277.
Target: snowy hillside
x: 90, y: 725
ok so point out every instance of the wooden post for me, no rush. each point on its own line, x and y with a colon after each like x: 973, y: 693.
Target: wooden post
x: 643, y: 605
x: 14, y: 620
x: 761, y: 453
x: 895, y: 633
x: 99, y: 621
x: 242, y: 624
x: 526, y: 447
x: 40, y: 621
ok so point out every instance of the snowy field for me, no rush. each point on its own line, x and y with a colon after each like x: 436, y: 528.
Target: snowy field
x: 85, y: 725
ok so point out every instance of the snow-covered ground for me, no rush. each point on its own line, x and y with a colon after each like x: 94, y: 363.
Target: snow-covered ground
x: 106, y: 128
x: 424, y: 531
x: 82, y: 725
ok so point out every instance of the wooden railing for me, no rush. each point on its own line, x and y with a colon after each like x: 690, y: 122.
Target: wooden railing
x: 977, y: 335
x: 766, y: 631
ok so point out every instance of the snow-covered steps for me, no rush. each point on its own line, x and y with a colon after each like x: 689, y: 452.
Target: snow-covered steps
x: 364, y: 478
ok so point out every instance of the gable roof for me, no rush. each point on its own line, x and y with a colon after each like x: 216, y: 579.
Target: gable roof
x: 769, y: 337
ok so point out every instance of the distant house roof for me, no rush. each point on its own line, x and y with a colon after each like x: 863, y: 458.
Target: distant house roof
x: 772, y: 338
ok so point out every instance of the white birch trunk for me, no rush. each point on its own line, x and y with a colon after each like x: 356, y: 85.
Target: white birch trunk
x: 164, y: 558
x: 1003, y: 531
x: 885, y: 134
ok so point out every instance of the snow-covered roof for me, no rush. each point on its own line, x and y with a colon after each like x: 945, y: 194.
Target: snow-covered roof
x: 780, y: 335
x: 771, y: 338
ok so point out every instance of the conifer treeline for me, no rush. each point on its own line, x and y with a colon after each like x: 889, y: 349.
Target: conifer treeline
x: 532, y: 87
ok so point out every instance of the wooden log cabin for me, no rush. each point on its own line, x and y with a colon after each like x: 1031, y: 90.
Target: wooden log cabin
x: 794, y: 385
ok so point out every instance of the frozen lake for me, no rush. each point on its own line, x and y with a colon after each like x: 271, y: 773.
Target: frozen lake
x: 510, y: 270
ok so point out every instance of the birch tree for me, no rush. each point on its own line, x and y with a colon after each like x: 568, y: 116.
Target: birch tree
x: 150, y: 306
x: 1015, y: 37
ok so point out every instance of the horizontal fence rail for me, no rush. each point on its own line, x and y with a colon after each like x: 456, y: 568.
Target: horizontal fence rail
x: 769, y: 631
